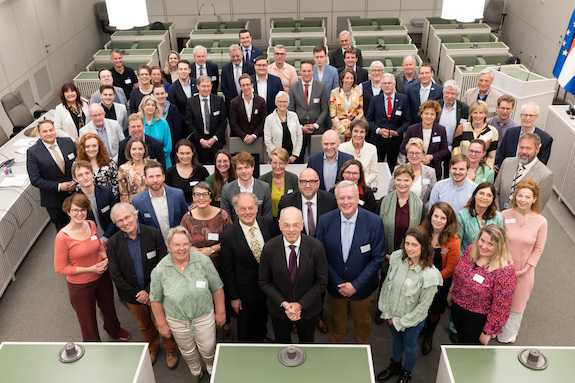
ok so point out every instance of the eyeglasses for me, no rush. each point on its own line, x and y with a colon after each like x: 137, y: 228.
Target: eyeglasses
x: 76, y: 211
x: 414, y: 154
x: 528, y: 115
x: 308, y: 182
x: 279, y: 53
x: 471, y: 151
x: 355, y: 174
x: 202, y: 195
x: 181, y: 245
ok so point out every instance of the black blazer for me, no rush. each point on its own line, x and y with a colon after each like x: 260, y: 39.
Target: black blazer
x: 461, y: 111
x: 377, y: 117
x: 361, y: 73
x: 412, y: 93
x: 240, y: 268
x: 315, y: 161
x: 45, y: 174
x: 213, y: 72
x: 508, y: 147
x: 274, y: 87
x: 176, y: 122
x: 325, y: 203
x: 336, y: 58
x: 104, y: 200
x: 177, y: 96
x: 121, y: 265
x: 195, y: 122
x: 155, y: 150
x: 228, y: 84
x: 367, y: 93
x: 239, y: 124
x: 310, y: 280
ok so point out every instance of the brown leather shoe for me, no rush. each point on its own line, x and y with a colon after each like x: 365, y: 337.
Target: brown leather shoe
x: 172, y: 360
x: 322, y: 325
x: 153, y: 355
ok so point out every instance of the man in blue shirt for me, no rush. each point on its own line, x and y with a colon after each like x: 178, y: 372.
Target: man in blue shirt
x: 457, y: 189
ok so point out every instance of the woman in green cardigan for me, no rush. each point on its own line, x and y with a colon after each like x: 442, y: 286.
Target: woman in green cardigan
x: 280, y: 181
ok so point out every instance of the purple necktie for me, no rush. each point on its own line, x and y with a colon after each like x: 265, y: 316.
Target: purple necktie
x: 292, y: 269
x: 310, y: 221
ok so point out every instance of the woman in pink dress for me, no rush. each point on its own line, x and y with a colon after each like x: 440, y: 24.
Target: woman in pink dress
x: 526, y: 229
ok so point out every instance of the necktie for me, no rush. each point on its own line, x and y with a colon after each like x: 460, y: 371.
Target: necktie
x: 59, y: 160
x: 206, y: 117
x: 255, y: 245
x: 389, y: 108
x: 310, y: 221
x: 516, y: 179
x: 346, y: 240
x: 201, y: 71
x: 237, y: 74
x: 247, y: 54
x: 292, y: 267
x: 424, y: 95
x: 306, y: 93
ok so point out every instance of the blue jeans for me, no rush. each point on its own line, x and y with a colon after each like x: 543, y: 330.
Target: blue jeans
x: 406, y: 340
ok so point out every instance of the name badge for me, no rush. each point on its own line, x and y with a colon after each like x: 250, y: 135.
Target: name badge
x: 214, y: 78
x: 217, y: 113
x: 193, y: 183
x: 93, y: 238
x: 151, y: 254
x: 260, y: 201
x: 365, y: 248
x: 361, y: 202
x: 71, y: 156
x: 147, y: 215
x: 127, y: 81
x: 510, y: 220
x: 201, y: 284
x: 491, y: 110
x: 105, y: 209
x: 398, y: 112
x: 213, y: 237
x: 105, y: 168
x: 484, y: 180
x: 408, y: 282
x: 478, y: 278
x: 444, y: 251
x: 316, y: 100
x: 463, y: 120
x: 289, y: 191
x: 436, y: 139
x: 426, y: 181
x: 256, y: 111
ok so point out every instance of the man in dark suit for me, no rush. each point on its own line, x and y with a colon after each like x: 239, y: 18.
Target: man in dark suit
x: 310, y: 101
x: 387, y: 126
x: 242, y: 245
x: 250, y: 53
x: 183, y: 88
x: 453, y: 113
x: 293, y: 275
x: 206, y: 121
x: 159, y: 206
x: 136, y: 129
x: 510, y: 143
x: 328, y: 163
x: 420, y: 92
x: 202, y: 67
x: 354, y: 241
x: 266, y: 85
x: 336, y: 57
x: 132, y: 255
x: 248, y: 111
x: 231, y: 73
x: 350, y: 60
x: 372, y: 87
x: 49, y: 165
x: 408, y: 76
x: 101, y: 198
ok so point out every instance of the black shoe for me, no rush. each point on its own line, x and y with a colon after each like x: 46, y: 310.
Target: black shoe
x: 394, y: 368
x: 378, y: 318
x: 267, y: 340
x: 427, y: 344
x: 453, y: 337
x: 405, y: 377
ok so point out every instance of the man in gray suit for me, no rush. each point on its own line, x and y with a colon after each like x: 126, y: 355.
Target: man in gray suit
x: 310, y: 101
x: 113, y: 110
x: 484, y: 92
x: 244, y: 164
x: 109, y: 131
x: 526, y: 166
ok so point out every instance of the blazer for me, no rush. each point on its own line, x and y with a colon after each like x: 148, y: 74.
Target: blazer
x: 155, y: 150
x: 412, y: 93
x: 325, y: 203
x: 470, y: 96
x: 45, y: 174
x: 437, y: 144
x: 177, y: 207
x: 377, y: 116
x: 229, y: 85
x: 290, y: 182
x: 261, y: 190
x: 361, y: 74
x: 120, y: 97
x: 177, y: 96
x: 239, y: 124
x: 336, y: 58
x: 310, y: 280
x: 538, y: 173
x: 330, y: 77
x: 339, y: 116
x: 387, y: 213
x: 176, y: 122
x: 195, y: 121
x: 428, y: 181
x: 121, y: 264
x: 366, y: 253
x: 254, y: 53
x: 104, y: 200
x: 212, y: 71
x: 240, y: 270
x: 461, y: 110
x: 121, y: 115
x: 273, y: 132
x: 367, y: 93
x: 113, y: 131
x: 274, y: 86
x: 399, y: 82
x: 315, y: 162
x: 64, y: 124
x: 510, y: 141
x: 317, y: 111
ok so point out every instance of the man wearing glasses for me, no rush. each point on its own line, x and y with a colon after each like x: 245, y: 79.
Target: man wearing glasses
x: 280, y: 68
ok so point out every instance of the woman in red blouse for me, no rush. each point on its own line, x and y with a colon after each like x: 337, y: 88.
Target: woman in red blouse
x: 441, y: 225
x: 483, y: 286
x: 80, y: 255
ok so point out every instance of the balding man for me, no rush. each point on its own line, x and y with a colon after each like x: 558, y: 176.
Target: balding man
x: 106, y: 78
x: 408, y: 76
x: 328, y: 163
x: 109, y: 131
x: 483, y: 92
x: 124, y: 76
x: 231, y: 73
x: 336, y: 59
x: 202, y: 67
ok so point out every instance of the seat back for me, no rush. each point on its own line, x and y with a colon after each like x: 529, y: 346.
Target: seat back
x: 17, y: 111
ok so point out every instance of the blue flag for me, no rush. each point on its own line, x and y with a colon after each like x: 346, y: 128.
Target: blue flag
x: 565, y: 66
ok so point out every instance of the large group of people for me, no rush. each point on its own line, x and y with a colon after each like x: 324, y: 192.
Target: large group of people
x: 187, y: 250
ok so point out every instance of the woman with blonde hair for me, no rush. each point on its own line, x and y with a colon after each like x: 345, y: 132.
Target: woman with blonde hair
x: 170, y: 72
x: 281, y: 182
x: 155, y: 126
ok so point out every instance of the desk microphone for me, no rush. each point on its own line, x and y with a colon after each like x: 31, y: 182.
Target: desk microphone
x: 529, y: 74
x: 571, y: 110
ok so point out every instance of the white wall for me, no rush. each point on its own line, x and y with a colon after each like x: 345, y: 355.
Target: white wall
x: 43, y: 44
